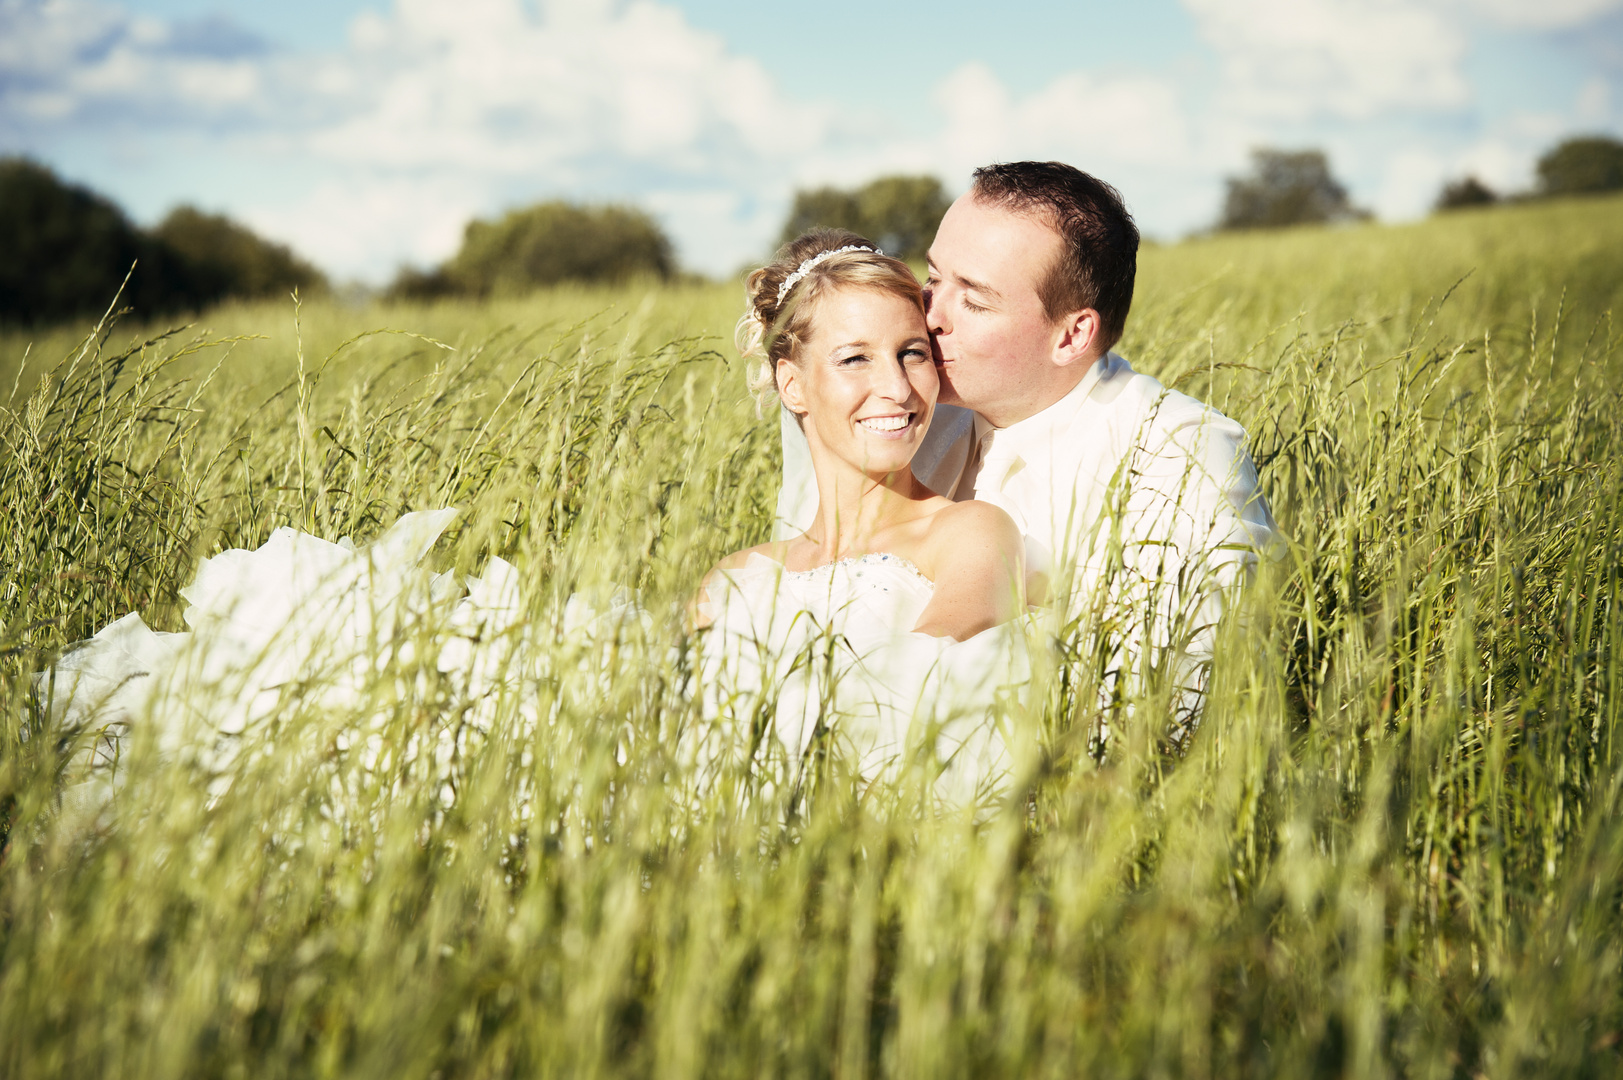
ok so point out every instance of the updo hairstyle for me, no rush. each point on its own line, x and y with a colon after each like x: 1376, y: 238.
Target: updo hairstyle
x: 770, y: 331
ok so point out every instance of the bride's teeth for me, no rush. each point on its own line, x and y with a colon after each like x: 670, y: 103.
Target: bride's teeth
x: 886, y: 423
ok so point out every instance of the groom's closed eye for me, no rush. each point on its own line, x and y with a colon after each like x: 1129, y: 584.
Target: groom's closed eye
x: 977, y: 296
x: 984, y: 295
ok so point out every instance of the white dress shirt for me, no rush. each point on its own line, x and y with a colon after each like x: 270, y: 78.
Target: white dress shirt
x: 1139, y: 504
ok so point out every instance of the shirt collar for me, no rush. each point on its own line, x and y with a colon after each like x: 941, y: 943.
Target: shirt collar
x: 1022, y: 433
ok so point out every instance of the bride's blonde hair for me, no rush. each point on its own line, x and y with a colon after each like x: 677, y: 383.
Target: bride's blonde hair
x: 778, y: 321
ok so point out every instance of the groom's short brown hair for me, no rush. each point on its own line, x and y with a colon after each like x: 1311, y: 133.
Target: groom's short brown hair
x: 1099, y: 255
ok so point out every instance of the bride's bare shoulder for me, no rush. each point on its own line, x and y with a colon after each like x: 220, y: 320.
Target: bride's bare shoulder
x: 974, y: 530
x: 982, y: 519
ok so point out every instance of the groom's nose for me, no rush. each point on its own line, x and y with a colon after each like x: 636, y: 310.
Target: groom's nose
x: 935, y: 314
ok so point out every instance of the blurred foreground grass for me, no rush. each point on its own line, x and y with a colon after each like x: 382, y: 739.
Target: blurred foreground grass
x: 1393, y: 848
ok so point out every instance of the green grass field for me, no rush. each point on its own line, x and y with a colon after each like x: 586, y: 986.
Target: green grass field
x: 1393, y: 849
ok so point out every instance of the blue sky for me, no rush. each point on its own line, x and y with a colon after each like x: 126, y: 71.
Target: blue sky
x: 367, y: 133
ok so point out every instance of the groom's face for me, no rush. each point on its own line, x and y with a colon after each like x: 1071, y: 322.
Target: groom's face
x: 994, y: 342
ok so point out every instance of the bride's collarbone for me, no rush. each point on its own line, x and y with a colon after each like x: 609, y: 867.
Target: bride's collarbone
x: 910, y: 543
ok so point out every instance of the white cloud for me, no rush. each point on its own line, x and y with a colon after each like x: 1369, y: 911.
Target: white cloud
x: 1135, y: 120
x: 493, y: 85
x: 622, y: 100
x: 1540, y: 14
x: 1361, y: 58
x: 431, y: 114
x: 1136, y: 131
x: 75, y: 60
x: 1139, y: 132
x: 1372, y: 78
x: 1594, y: 104
x: 1412, y: 177
x: 359, y: 224
x: 1345, y: 58
x: 728, y: 226
x: 1501, y: 165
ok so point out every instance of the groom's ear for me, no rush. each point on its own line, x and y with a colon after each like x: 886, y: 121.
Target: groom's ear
x: 1078, y: 333
x: 789, y: 387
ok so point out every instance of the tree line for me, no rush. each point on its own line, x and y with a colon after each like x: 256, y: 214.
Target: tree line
x: 1586, y: 165
x: 557, y: 241
x: 1287, y: 187
x: 66, y: 251
x: 1282, y: 188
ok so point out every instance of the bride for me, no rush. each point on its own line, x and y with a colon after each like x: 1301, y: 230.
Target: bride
x: 883, y: 633
x: 915, y: 589
x: 838, y: 330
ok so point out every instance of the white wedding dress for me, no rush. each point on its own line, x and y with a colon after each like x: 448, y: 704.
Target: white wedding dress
x: 832, y: 649
x: 827, y: 655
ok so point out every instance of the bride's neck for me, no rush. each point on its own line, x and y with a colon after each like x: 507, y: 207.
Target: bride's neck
x: 853, y: 508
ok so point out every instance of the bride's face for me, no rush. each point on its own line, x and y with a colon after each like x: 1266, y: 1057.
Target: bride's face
x: 865, y: 381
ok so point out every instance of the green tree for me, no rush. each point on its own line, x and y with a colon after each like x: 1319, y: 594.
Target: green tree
x: 899, y: 213
x: 64, y: 251
x: 1465, y: 192
x: 1286, y: 188
x: 411, y: 283
x: 227, y: 259
x: 829, y: 206
x: 1581, y: 166
x: 545, y: 244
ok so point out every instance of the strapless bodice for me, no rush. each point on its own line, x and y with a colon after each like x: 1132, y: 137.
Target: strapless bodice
x: 861, y: 596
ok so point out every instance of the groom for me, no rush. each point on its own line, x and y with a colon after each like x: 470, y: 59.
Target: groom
x: 1139, y: 505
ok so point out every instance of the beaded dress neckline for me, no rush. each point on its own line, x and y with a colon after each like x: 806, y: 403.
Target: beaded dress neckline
x: 872, y: 558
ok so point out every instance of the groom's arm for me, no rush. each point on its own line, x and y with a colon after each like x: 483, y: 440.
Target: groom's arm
x: 1193, y: 494
x: 1193, y: 526
x: 1159, y: 548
